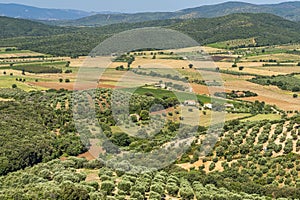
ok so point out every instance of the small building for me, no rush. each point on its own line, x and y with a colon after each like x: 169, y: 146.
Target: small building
x: 163, y: 86
x: 228, y: 105
x: 208, y: 106
x: 190, y: 103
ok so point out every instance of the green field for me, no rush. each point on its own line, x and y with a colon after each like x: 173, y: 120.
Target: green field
x: 15, y: 52
x: 233, y: 43
x: 7, y: 82
x: 261, y: 117
x: 160, y: 93
x: 43, y: 67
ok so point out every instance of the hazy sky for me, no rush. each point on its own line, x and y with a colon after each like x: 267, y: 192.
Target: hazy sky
x: 126, y: 5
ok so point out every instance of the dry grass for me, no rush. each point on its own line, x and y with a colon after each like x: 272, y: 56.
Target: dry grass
x: 280, y: 57
x: 160, y: 63
x: 270, y: 94
x: 257, y: 68
x: 261, y: 117
x: 17, y: 55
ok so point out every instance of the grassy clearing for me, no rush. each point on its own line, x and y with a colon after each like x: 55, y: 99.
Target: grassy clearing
x: 8, y: 81
x: 206, y: 117
x: 116, y: 129
x: 261, y: 117
x: 233, y: 43
x: 160, y: 93
x: 206, y: 120
x: 41, y: 67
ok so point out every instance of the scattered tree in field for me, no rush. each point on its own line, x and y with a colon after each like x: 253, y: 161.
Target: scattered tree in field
x: 212, y: 166
x: 120, y: 68
x: 14, y: 86
x: 67, y: 80
x: 68, y: 64
x: 191, y: 66
x: 60, y: 80
x: 134, y: 118
x: 68, y: 71
x: 144, y: 115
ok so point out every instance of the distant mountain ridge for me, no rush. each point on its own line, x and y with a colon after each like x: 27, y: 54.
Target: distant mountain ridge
x: 65, y: 17
x: 265, y: 29
x: 287, y: 10
x: 30, y: 12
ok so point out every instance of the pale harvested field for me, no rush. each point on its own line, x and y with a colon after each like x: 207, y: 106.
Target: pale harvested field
x: 16, y: 55
x: 198, y: 48
x: 269, y: 94
x: 289, y: 47
x: 278, y: 57
x: 257, y: 68
x: 160, y: 63
x: 284, y: 70
x: 212, y: 50
x: 87, y: 61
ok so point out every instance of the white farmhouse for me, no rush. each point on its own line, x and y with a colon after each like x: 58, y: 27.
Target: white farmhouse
x: 208, y: 105
x: 190, y: 103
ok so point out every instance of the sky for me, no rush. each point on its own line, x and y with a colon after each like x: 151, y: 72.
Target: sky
x: 126, y: 5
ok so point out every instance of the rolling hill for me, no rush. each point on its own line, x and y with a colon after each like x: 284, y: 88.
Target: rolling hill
x: 266, y: 29
x: 11, y: 27
x: 30, y: 12
x: 287, y: 10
